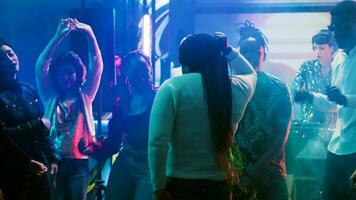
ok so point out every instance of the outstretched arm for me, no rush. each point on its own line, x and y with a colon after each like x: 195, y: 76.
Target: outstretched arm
x: 42, y: 65
x: 95, y: 68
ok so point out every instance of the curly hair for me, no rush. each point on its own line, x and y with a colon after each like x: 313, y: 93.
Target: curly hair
x: 68, y: 58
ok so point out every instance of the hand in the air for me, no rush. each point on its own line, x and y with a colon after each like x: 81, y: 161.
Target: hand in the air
x: 65, y: 26
x: 81, y: 26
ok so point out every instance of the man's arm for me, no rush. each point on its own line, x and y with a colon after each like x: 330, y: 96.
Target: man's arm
x: 239, y: 64
x: 322, y: 102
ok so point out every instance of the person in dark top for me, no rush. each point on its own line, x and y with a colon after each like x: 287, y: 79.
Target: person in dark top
x: 128, y: 131
x: 264, y: 127
x: 23, y: 135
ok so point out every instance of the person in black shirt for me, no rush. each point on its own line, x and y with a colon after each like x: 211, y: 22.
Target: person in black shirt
x: 128, y: 131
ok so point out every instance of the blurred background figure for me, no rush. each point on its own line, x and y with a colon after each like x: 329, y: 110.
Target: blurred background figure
x: 312, y: 129
x: 340, y: 98
x: 24, y: 135
x: 67, y: 87
x: 315, y: 76
x: 128, y: 131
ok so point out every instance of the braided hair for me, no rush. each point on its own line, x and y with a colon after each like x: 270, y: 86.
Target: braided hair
x: 251, y: 41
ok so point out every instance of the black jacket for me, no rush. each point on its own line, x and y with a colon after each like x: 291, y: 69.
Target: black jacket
x: 22, y: 134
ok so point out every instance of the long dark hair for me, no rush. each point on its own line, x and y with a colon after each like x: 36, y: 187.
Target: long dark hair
x: 201, y: 54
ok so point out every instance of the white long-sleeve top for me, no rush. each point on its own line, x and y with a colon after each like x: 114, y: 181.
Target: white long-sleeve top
x: 180, y: 140
x: 343, y: 140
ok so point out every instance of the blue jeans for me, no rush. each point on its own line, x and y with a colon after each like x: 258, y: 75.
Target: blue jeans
x: 196, y: 189
x: 129, y: 178
x: 72, y: 180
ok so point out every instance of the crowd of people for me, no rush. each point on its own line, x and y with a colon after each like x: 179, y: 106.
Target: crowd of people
x: 216, y: 132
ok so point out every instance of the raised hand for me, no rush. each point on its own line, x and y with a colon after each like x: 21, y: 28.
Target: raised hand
x: 81, y: 26
x: 65, y: 26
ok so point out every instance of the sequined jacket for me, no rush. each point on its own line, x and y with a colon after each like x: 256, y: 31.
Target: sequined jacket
x: 22, y: 134
x: 309, y: 77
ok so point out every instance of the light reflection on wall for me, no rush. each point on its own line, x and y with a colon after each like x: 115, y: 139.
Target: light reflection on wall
x: 289, y: 36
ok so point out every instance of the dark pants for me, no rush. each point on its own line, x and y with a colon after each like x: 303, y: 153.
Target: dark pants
x: 192, y: 189
x: 273, y: 187
x: 23, y: 187
x: 338, y: 169
x: 72, y: 180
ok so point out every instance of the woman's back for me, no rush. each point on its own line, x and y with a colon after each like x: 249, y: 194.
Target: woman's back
x: 192, y: 152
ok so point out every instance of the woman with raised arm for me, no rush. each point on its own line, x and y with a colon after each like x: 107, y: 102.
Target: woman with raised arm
x: 67, y: 87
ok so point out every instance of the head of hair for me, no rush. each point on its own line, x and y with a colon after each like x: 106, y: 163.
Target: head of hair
x: 145, y: 67
x: 345, y: 11
x: 68, y: 58
x: 251, y: 41
x: 141, y: 71
x: 324, y: 36
x: 248, y: 30
x: 3, y: 42
x: 201, y: 53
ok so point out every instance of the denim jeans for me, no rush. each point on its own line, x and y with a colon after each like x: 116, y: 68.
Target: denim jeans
x: 196, y: 189
x: 129, y: 178
x: 72, y: 180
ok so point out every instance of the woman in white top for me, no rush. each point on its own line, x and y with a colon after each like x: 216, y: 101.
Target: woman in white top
x: 193, y: 119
